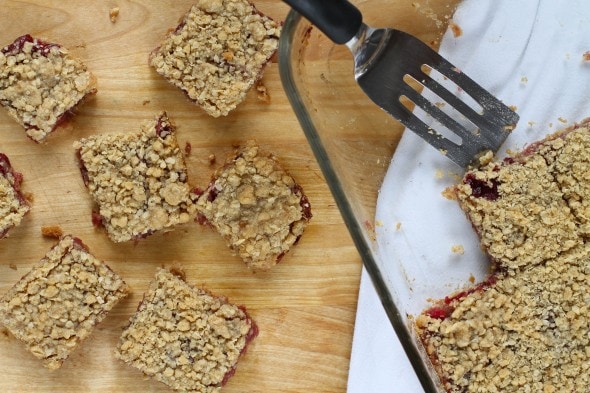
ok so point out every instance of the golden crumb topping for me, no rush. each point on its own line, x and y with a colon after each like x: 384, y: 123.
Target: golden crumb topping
x: 256, y: 206
x: 185, y: 337
x: 138, y: 180
x: 60, y: 301
x: 527, y: 332
x: 521, y: 215
x: 217, y: 53
x: 40, y: 84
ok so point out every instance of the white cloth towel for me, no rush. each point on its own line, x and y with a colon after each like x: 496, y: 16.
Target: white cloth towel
x: 530, y: 54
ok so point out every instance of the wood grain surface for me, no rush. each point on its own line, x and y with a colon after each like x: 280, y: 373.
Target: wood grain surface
x: 305, y: 306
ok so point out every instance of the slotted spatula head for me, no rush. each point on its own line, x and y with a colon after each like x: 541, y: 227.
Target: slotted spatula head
x: 416, y: 85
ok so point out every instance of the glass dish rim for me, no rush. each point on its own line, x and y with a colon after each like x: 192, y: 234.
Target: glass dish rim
x: 355, y: 229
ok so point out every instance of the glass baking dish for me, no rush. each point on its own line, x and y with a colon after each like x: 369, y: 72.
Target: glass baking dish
x: 354, y: 141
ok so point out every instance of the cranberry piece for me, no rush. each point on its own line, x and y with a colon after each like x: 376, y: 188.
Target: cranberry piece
x: 83, y: 170
x: 17, y: 177
x: 79, y: 244
x: 491, y: 280
x: 304, y: 202
x: 180, y: 26
x: 197, y: 191
x: 445, y: 309
x: 5, y: 166
x: 213, y: 192
x: 97, y: 220
x: 230, y: 373
x: 509, y: 160
x: 201, y: 219
x: 163, y: 129
x: 438, y: 312
x: 482, y: 189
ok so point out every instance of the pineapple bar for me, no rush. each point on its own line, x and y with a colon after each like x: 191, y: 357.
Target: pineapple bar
x: 137, y: 180
x: 217, y: 53
x: 256, y: 206
x: 186, y: 337
x: 41, y: 85
x: 60, y: 301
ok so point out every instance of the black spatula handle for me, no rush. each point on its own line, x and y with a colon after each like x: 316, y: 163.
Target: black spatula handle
x: 338, y: 19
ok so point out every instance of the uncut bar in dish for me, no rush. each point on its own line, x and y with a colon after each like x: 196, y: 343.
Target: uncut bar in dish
x: 525, y: 331
x: 13, y: 204
x: 525, y: 328
x: 186, y: 337
x: 137, y: 180
x: 41, y: 84
x: 217, y: 53
x: 60, y: 301
x: 256, y: 206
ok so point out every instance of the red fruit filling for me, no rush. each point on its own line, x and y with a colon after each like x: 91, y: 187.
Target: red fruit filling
x: 252, y: 333
x: 482, y: 189
x: 445, y: 308
x: 5, y: 170
x: 39, y: 46
x: 163, y: 129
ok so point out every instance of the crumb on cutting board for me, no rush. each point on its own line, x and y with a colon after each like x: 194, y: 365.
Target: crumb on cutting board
x: 53, y: 231
x: 114, y: 14
x: 262, y: 93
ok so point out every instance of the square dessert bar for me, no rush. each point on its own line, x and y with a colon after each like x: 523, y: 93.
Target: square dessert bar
x: 256, y: 206
x: 535, y: 205
x: 217, y: 53
x: 186, y: 337
x: 60, y: 301
x: 13, y: 205
x: 137, y: 180
x: 41, y: 84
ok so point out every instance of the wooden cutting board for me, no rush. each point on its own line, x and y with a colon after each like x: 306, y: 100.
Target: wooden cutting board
x: 305, y: 306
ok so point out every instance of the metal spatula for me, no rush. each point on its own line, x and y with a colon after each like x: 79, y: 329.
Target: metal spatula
x: 393, y: 67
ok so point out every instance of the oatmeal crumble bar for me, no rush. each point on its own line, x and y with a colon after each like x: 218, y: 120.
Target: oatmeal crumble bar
x: 138, y: 180
x: 41, y: 84
x: 520, y: 207
x: 60, y: 301
x: 526, y: 327
x: 13, y: 205
x: 528, y: 331
x: 186, y: 337
x: 217, y: 53
x: 256, y: 206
